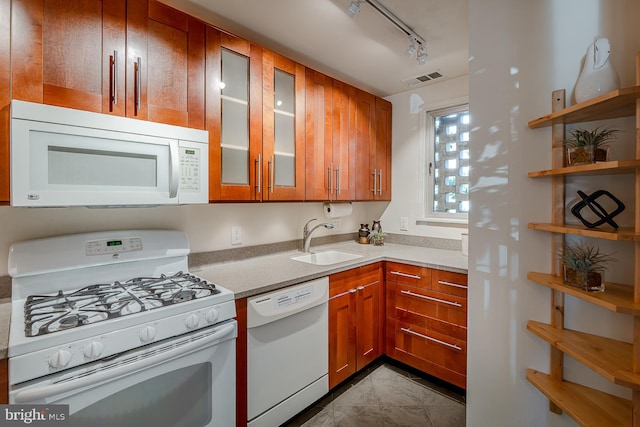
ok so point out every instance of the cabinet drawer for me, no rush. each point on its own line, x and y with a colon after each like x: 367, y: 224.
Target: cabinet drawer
x: 421, y: 302
x: 436, y: 354
x: 408, y: 275
x: 349, y: 280
x: 449, y: 282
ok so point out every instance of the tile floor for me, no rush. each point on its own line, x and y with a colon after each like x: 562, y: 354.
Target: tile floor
x: 386, y: 395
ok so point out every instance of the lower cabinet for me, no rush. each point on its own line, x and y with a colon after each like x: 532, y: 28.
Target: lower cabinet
x: 356, y: 319
x: 4, y: 382
x: 426, y: 324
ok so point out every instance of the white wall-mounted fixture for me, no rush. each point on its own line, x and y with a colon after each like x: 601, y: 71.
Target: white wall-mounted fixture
x: 354, y: 8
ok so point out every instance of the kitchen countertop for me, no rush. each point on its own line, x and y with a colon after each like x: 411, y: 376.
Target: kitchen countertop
x: 267, y: 273
x: 254, y: 276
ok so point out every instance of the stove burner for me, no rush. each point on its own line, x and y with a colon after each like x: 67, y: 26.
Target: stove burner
x: 46, y: 314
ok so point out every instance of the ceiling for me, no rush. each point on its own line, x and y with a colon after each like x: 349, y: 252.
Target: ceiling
x: 367, y: 51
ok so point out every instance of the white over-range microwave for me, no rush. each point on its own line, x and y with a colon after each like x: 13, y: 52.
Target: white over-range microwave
x: 66, y: 157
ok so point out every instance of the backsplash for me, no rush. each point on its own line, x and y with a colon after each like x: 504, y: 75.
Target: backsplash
x: 235, y: 254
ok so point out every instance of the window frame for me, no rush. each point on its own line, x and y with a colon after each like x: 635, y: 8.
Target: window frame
x: 429, y: 178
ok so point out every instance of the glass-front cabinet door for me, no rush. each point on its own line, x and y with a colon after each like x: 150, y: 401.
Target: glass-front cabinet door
x: 284, y: 128
x: 234, y: 117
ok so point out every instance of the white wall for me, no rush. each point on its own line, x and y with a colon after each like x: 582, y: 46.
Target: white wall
x: 520, y: 52
x: 208, y: 226
x: 409, y: 121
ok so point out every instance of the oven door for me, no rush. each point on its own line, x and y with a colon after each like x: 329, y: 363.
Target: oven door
x: 183, y: 381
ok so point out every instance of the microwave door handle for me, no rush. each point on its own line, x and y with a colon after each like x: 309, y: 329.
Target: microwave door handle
x: 51, y: 390
x: 174, y: 172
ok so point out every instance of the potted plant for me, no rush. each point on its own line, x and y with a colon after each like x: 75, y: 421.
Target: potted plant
x: 583, y: 266
x: 378, y: 238
x: 589, y: 146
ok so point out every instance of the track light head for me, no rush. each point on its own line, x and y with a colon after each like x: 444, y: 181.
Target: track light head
x: 412, y: 47
x: 353, y: 9
x: 422, y: 55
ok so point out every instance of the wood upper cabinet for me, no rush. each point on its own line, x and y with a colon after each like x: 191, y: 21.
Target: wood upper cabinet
x: 137, y: 58
x: 63, y: 54
x: 234, y: 117
x: 283, y: 130
x: 382, y: 162
x: 373, y: 147
x: 356, y: 317
x: 330, y: 142
x: 164, y: 65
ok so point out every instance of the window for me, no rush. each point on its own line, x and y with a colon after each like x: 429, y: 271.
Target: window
x: 448, y: 164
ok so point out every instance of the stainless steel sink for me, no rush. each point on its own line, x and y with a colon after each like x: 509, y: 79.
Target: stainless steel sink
x: 326, y: 257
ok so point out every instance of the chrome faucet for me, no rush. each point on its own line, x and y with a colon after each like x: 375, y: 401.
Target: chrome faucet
x: 306, y: 233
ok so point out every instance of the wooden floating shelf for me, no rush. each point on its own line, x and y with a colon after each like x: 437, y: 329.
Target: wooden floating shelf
x: 608, y: 357
x: 622, y: 234
x: 606, y: 168
x: 617, y: 103
x: 587, y: 406
x: 616, y: 297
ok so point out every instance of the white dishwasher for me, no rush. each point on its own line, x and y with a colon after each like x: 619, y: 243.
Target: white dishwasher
x: 287, y: 351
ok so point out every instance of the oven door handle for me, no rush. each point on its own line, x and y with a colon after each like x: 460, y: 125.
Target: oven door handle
x: 137, y: 363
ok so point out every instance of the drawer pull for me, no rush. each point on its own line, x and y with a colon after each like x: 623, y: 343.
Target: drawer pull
x: 412, y: 276
x: 457, y: 304
x: 455, y: 285
x: 361, y: 288
x: 409, y: 331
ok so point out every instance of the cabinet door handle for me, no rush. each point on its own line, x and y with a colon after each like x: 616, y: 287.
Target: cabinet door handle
x: 138, y: 73
x: 272, y: 167
x: 113, y: 96
x: 375, y: 181
x: 380, y: 188
x: 411, y: 276
x: 361, y: 288
x: 409, y: 331
x: 352, y: 291
x: 338, y: 181
x: 455, y: 285
x: 330, y: 183
x: 258, y: 174
x: 456, y: 304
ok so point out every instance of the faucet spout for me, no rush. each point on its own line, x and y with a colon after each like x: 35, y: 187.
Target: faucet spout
x: 306, y: 233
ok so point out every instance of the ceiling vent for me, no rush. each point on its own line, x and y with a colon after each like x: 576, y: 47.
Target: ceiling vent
x: 422, y: 79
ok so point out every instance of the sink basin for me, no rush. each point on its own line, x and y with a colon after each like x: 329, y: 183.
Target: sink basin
x: 326, y: 258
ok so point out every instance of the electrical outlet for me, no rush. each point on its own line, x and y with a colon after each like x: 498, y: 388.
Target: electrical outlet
x: 337, y: 223
x: 236, y: 235
x: 404, y: 223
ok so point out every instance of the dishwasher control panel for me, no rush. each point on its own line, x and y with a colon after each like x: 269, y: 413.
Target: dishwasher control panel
x: 275, y: 305
x: 293, y: 297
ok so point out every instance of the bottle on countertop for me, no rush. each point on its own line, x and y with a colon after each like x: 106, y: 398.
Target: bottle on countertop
x: 363, y: 234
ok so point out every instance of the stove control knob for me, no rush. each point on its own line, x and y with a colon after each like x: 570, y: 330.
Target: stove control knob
x: 60, y: 359
x: 212, y: 316
x: 93, y: 349
x: 192, y: 321
x: 148, y: 333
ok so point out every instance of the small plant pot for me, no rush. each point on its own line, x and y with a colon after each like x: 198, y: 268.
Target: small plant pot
x: 592, y: 281
x: 378, y: 241
x: 579, y: 155
x: 601, y: 154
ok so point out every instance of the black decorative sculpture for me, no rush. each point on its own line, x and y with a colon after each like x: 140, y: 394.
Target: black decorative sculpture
x: 590, y: 202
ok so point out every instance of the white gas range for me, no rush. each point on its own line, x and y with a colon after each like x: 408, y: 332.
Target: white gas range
x: 99, y: 317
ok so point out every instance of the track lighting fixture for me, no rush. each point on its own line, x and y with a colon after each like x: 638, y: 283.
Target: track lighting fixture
x: 354, y: 8
x: 422, y: 55
x: 412, y: 47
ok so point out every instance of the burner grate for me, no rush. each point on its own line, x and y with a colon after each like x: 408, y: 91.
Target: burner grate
x: 45, y: 314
